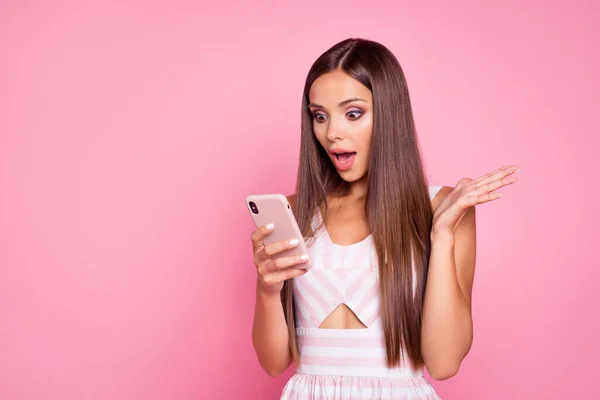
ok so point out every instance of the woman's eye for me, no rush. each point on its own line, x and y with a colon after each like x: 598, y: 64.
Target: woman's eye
x: 354, y: 114
x: 319, y: 117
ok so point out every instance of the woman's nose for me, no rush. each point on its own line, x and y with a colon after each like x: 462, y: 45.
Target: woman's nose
x: 334, y: 132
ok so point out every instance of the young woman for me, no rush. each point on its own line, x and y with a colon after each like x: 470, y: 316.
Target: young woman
x: 392, y: 259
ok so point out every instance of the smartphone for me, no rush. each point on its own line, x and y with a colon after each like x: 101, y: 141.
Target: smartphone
x: 275, y: 209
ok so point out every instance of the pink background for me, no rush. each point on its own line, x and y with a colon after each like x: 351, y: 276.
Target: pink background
x: 130, y: 135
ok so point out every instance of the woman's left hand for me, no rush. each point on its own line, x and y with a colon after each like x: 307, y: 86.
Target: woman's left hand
x: 468, y: 193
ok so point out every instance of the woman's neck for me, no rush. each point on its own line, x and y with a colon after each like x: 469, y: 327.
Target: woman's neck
x: 359, y: 188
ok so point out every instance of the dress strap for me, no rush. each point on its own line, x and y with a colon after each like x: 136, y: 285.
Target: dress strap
x: 433, y: 190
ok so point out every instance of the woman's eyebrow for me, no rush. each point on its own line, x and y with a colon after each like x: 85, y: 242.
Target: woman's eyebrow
x: 341, y: 104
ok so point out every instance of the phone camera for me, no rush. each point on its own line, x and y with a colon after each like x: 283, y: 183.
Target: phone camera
x: 253, y: 207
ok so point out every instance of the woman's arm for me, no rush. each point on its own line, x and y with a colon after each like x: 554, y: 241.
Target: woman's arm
x: 447, y: 327
x: 270, y: 333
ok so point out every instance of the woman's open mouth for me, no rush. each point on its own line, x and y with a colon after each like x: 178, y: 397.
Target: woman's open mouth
x: 343, y: 160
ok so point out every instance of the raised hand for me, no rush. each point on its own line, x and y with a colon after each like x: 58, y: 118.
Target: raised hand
x: 469, y: 193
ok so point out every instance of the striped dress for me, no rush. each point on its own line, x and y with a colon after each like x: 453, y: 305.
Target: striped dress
x: 344, y: 364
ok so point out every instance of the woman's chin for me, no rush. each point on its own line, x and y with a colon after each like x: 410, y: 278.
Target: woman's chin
x: 351, y: 176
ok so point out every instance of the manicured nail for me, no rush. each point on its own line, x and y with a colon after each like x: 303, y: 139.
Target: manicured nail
x: 518, y: 169
x: 270, y: 226
x: 304, y: 257
x: 293, y: 242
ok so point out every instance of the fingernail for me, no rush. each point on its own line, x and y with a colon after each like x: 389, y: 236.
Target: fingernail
x: 304, y: 257
x: 294, y: 242
x: 270, y: 226
x: 518, y: 169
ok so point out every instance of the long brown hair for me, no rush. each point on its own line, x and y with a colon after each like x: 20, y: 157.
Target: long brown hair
x: 398, y: 206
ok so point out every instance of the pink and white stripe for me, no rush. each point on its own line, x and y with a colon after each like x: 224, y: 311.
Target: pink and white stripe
x: 347, y: 352
x: 344, y: 364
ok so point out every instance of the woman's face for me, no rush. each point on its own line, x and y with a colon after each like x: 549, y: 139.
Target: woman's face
x: 342, y: 110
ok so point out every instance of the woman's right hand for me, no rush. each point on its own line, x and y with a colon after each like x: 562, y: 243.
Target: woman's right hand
x: 272, y: 273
